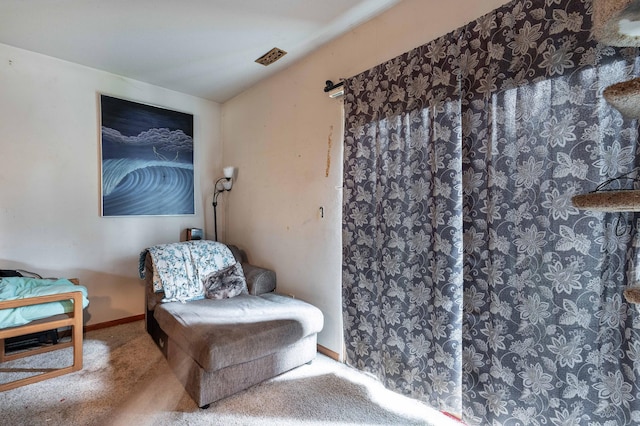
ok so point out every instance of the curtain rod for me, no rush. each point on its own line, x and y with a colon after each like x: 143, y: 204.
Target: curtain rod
x: 329, y: 85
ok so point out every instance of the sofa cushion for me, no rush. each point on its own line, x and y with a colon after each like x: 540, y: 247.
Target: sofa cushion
x: 226, y: 283
x: 220, y: 333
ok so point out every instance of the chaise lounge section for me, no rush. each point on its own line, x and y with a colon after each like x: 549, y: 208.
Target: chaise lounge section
x: 218, y: 347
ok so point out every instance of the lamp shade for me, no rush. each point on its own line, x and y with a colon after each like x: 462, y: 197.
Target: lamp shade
x: 228, y: 172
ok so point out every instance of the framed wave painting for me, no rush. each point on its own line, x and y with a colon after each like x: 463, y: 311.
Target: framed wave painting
x: 147, y: 159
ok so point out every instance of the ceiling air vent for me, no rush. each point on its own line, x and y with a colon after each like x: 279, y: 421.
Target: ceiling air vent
x: 271, y: 56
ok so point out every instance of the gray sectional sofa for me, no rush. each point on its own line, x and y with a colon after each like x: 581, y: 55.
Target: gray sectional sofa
x: 217, y: 347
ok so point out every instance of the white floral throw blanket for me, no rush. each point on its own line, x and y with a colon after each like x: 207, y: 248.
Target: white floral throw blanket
x: 179, y: 268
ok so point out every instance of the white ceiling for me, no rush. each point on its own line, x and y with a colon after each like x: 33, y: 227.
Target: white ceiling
x: 205, y: 48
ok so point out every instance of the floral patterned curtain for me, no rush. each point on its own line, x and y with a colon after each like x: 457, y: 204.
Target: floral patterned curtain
x: 469, y: 279
x: 402, y: 220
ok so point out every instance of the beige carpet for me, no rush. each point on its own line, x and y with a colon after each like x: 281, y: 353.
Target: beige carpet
x: 126, y: 381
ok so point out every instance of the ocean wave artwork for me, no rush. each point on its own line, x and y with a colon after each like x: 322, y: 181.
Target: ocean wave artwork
x: 147, y: 160
x: 135, y: 187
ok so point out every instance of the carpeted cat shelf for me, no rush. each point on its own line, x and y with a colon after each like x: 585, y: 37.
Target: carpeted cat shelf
x: 626, y: 200
x: 617, y: 22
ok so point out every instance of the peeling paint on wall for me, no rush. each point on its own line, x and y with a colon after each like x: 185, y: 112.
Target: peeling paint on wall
x: 329, y: 143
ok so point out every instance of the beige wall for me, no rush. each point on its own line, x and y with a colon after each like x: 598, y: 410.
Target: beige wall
x: 277, y: 133
x: 50, y: 179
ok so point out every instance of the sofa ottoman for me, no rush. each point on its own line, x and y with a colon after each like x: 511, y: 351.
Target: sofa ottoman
x: 220, y: 347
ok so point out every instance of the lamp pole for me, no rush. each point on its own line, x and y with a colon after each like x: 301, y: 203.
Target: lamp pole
x: 217, y: 191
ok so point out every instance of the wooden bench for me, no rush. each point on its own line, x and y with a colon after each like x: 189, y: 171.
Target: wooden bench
x: 73, y: 319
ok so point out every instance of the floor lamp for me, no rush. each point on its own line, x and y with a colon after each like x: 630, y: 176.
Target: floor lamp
x: 223, y: 184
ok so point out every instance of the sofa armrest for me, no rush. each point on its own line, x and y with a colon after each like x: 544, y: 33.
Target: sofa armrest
x: 259, y: 280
